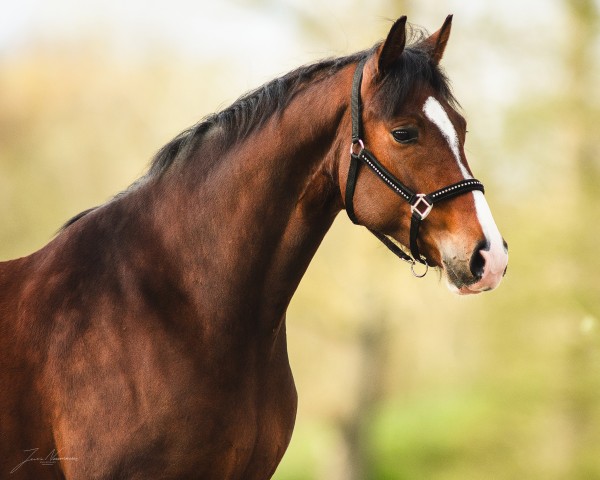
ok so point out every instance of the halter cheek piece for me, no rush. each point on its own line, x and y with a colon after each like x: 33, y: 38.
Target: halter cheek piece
x: 420, y: 203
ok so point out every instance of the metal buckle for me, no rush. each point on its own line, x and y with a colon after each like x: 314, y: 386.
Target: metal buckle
x: 421, y: 201
x: 356, y: 142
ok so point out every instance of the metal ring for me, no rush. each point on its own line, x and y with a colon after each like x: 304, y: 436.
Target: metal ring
x: 420, y: 275
x: 358, y: 142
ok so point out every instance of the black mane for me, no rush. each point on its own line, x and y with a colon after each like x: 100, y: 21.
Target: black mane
x: 412, y: 71
x: 251, y: 110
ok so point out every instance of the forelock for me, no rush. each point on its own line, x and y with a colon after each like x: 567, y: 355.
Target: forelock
x: 410, y: 75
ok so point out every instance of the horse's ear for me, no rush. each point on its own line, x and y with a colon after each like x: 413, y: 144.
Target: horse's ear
x: 437, y: 42
x: 393, y: 46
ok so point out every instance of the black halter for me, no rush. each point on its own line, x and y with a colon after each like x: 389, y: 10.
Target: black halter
x: 420, y: 203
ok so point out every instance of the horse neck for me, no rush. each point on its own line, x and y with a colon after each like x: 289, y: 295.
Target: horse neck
x: 252, y: 224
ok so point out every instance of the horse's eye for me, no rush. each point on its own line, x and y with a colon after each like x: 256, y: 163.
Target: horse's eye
x: 405, y: 135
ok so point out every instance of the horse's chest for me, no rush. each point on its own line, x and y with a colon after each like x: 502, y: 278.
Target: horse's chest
x: 244, y: 440
x: 225, y: 420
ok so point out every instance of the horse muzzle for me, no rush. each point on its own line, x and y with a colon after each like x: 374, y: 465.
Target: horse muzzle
x: 482, y: 272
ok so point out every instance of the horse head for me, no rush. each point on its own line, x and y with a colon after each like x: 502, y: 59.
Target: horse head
x: 419, y: 189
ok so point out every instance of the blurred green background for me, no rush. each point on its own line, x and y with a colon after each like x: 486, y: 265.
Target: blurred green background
x: 397, y: 378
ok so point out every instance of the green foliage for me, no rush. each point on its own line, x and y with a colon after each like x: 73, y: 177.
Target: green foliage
x: 427, y: 437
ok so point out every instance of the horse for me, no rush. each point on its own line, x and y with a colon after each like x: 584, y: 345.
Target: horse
x: 147, y: 339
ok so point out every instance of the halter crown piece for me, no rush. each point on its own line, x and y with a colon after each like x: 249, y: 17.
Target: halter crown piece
x: 421, y: 204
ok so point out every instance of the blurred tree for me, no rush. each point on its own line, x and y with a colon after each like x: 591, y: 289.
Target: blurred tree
x: 582, y: 107
x: 581, y: 393
x: 372, y: 343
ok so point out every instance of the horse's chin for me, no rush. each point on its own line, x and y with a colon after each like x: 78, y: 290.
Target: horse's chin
x: 464, y: 290
x: 458, y: 281
x: 474, y: 287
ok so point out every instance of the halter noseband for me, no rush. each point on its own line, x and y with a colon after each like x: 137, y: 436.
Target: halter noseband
x: 420, y: 203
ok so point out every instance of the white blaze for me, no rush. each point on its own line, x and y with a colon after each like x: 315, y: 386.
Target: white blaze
x: 484, y: 214
x: 496, y: 257
x: 438, y: 116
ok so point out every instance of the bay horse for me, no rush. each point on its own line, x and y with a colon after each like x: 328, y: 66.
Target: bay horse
x: 148, y: 338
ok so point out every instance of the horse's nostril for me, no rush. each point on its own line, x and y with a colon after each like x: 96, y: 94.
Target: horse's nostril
x: 477, y: 263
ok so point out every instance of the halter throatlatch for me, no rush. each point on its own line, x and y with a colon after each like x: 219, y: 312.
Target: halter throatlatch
x: 421, y: 204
